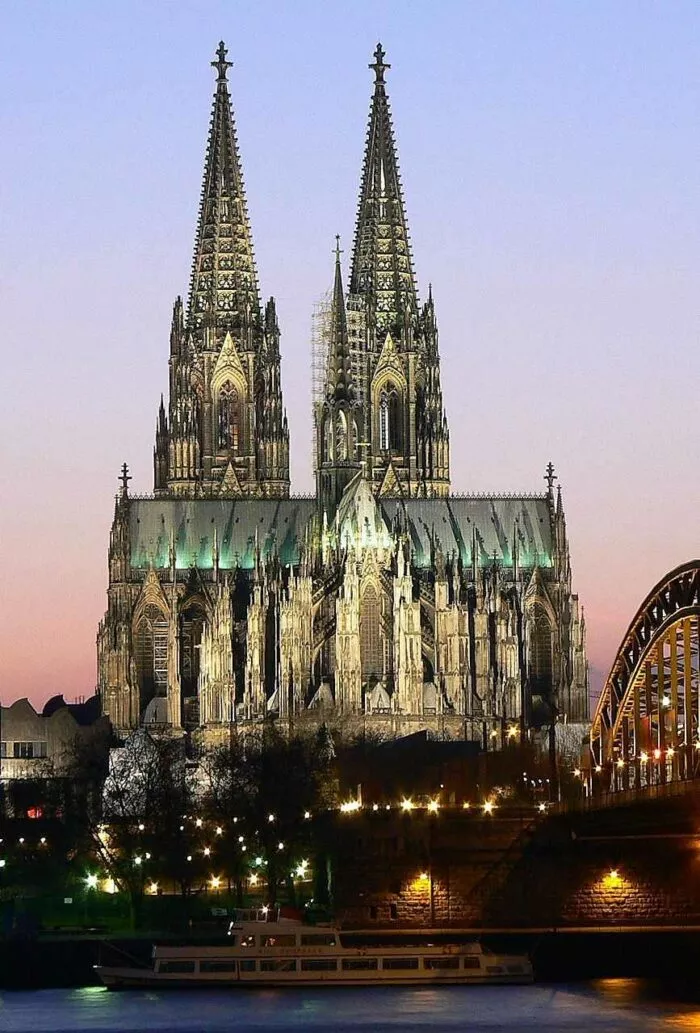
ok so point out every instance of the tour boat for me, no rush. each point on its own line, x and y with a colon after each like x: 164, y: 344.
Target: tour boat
x: 266, y: 949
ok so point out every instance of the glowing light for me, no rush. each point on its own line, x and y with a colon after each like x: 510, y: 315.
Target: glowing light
x: 270, y: 817
x: 301, y: 869
x: 153, y: 889
x: 666, y: 701
x: 219, y: 830
x: 513, y: 731
x: 577, y: 772
x: 670, y: 751
x: 433, y: 806
x: 206, y: 851
x: 43, y: 840
x: 253, y: 879
x: 258, y: 860
x: 215, y: 882
x: 138, y: 860
x: 644, y: 756
x: 406, y: 805
x: 494, y: 733
x: 350, y: 806
x: 307, y: 815
x: 141, y: 827
x: 91, y: 882
x: 613, y: 875
x: 657, y: 754
x: 265, y: 909
x: 21, y: 839
x: 182, y: 828
x: 3, y: 862
x: 148, y: 857
x: 598, y: 769
x: 375, y: 806
x: 189, y: 857
x: 109, y: 886
x: 198, y: 823
x: 488, y: 806
x: 542, y: 807
x: 424, y: 877
x: 466, y: 805
x: 280, y: 846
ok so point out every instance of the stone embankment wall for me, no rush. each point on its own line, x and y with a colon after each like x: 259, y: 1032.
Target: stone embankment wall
x: 517, y: 872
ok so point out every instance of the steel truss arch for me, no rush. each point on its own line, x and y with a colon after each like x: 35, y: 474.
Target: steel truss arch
x: 646, y: 726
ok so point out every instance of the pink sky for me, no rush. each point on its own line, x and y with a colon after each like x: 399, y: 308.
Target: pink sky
x: 549, y: 159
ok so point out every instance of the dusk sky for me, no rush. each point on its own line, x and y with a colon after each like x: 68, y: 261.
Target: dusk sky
x: 550, y: 156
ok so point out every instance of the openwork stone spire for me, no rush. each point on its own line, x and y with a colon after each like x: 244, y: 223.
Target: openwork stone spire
x: 224, y: 284
x: 382, y: 268
x: 339, y: 383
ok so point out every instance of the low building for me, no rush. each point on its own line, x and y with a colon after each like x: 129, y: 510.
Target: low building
x: 35, y: 745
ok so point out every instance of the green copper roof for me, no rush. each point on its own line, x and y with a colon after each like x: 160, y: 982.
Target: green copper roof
x: 494, y: 523
x: 279, y: 525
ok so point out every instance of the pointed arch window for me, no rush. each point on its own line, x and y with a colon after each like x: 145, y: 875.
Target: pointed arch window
x: 541, y: 652
x: 390, y: 419
x: 151, y: 653
x: 341, y: 437
x: 229, y: 416
x: 371, y: 639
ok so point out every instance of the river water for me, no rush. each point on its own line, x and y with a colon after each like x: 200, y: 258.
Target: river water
x: 610, y: 1005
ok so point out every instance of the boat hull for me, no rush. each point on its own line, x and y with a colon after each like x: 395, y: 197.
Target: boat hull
x: 116, y: 978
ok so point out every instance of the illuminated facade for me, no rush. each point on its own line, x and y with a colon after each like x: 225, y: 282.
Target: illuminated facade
x: 384, y: 601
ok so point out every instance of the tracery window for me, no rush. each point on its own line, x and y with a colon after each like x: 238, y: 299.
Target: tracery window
x: 229, y: 415
x: 191, y: 628
x: 341, y: 437
x: 151, y: 653
x: 389, y: 419
x: 541, y: 651
x: 371, y: 639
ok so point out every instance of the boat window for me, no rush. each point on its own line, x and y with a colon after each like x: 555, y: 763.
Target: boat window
x: 247, y: 941
x: 400, y: 963
x: 393, y: 911
x: 471, y: 962
x: 278, y: 965
x: 246, y: 965
x: 279, y: 940
x: 396, y: 963
x: 440, y: 962
x: 217, y: 966
x: 318, y: 940
x: 514, y: 970
x: 319, y: 965
x: 176, y: 966
x: 360, y: 964
x: 494, y: 970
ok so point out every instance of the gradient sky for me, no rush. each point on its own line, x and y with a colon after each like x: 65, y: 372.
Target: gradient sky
x: 550, y: 159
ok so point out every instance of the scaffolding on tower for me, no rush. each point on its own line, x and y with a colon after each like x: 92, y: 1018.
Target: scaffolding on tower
x: 320, y: 338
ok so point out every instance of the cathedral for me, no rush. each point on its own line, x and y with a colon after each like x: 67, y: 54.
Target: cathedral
x: 384, y: 604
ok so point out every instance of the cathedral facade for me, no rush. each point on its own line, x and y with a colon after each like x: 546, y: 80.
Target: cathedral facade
x: 385, y: 602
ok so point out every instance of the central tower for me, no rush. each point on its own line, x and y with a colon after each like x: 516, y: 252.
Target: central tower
x: 225, y: 434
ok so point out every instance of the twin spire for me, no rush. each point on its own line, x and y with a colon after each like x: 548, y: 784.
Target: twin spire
x: 224, y: 284
x: 382, y: 267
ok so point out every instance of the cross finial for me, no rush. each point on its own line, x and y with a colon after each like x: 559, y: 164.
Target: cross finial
x: 338, y: 250
x: 550, y: 476
x: 125, y: 477
x: 221, y: 64
x: 379, y: 68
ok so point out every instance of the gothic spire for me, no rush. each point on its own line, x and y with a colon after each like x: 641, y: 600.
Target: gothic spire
x: 224, y: 284
x: 339, y: 383
x: 382, y: 268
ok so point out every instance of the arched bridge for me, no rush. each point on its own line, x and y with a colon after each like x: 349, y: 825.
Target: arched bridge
x: 646, y: 728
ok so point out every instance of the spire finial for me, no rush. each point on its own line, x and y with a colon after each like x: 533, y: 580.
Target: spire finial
x: 221, y: 64
x: 550, y: 476
x: 125, y: 477
x: 379, y: 68
x: 338, y: 250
